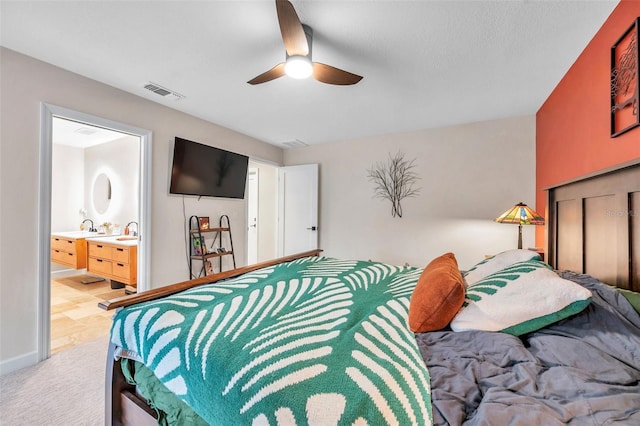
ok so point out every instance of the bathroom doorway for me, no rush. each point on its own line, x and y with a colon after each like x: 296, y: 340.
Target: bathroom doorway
x: 94, y: 192
x: 105, y: 186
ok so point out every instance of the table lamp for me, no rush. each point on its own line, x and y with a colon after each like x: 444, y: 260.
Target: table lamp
x: 521, y: 214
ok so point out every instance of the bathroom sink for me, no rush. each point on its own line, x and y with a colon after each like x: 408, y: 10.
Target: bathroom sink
x: 75, y: 234
x: 125, y: 240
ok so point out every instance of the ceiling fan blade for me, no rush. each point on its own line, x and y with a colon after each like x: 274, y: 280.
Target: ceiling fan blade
x: 295, y: 41
x: 332, y: 75
x: 272, y: 74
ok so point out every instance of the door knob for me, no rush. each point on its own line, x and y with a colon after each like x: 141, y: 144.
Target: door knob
x: 313, y: 228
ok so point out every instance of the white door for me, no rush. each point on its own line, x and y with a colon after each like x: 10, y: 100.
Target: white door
x: 298, y: 209
x: 252, y: 217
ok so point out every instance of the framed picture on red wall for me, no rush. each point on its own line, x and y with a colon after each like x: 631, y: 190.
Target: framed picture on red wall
x: 624, y: 82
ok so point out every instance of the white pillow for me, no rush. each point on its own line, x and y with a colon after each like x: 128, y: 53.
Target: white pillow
x: 496, y: 263
x: 521, y: 298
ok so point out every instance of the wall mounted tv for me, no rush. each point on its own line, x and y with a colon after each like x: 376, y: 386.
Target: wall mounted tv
x: 204, y: 170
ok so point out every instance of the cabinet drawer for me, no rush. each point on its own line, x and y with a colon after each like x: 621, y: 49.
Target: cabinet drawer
x: 99, y: 250
x: 122, y: 271
x: 99, y: 266
x: 62, y: 257
x: 63, y: 244
x: 120, y: 254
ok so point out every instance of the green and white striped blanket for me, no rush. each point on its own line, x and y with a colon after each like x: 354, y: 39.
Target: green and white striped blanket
x: 317, y: 341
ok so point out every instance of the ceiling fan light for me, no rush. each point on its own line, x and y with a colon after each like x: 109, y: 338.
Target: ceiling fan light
x: 298, y: 67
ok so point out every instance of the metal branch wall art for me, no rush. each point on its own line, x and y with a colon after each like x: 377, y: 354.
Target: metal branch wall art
x: 394, y: 181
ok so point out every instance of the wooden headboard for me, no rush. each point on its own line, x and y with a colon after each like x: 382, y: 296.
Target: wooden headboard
x: 594, y: 226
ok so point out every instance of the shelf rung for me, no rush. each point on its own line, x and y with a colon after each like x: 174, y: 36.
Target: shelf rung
x: 195, y: 231
x: 210, y: 255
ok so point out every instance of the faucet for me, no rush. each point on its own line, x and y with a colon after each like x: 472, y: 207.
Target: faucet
x: 91, y: 228
x: 133, y: 233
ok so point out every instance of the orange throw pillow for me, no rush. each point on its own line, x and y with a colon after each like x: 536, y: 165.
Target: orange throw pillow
x: 438, y: 295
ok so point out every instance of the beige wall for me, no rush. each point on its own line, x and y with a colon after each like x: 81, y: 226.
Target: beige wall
x: 119, y: 160
x: 470, y: 174
x: 67, y: 186
x: 24, y: 84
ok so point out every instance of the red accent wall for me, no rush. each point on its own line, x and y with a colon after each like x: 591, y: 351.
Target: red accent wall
x: 573, y: 125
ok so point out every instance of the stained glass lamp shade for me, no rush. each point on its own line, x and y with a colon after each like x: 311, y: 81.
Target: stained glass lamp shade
x: 521, y: 214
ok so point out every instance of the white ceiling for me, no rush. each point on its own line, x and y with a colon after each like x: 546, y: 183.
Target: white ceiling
x: 425, y: 63
x: 80, y: 135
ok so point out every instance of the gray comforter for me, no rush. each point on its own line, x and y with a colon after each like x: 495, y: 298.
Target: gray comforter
x: 584, y: 370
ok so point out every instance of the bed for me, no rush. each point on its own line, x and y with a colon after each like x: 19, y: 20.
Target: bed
x: 581, y: 370
x: 468, y: 360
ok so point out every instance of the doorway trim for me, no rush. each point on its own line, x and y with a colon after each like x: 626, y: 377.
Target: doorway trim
x: 47, y: 112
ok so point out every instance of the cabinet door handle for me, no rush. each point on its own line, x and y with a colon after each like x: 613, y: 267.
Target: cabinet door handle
x: 99, y: 260
x: 119, y: 249
x: 98, y: 245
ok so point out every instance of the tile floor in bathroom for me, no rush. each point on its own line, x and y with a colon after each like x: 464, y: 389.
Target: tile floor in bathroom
x: 75, y: 315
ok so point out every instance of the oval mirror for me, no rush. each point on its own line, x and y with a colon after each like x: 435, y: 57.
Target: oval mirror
x: 101, y: 193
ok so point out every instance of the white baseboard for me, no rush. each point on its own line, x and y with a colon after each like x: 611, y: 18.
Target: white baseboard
x: 18, y: 363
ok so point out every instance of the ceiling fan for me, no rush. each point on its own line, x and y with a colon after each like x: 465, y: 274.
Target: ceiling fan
x: 297, y: 39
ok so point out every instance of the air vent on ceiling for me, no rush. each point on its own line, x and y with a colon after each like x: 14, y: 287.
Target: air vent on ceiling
x: 86, y: 131
x: 294, y: 144
x: 163, y: 91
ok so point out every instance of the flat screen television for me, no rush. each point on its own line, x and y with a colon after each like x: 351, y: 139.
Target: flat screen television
x: 204, y: 170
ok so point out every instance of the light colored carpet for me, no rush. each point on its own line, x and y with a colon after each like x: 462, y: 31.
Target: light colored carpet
x: 66, y: 389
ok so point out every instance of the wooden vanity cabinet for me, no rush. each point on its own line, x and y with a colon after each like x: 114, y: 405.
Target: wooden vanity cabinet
x: 70, y: 252
x: 114, y: 261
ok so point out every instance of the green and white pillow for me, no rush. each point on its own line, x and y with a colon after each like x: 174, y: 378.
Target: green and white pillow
x: 497, y: 263
x: 519, y: 299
